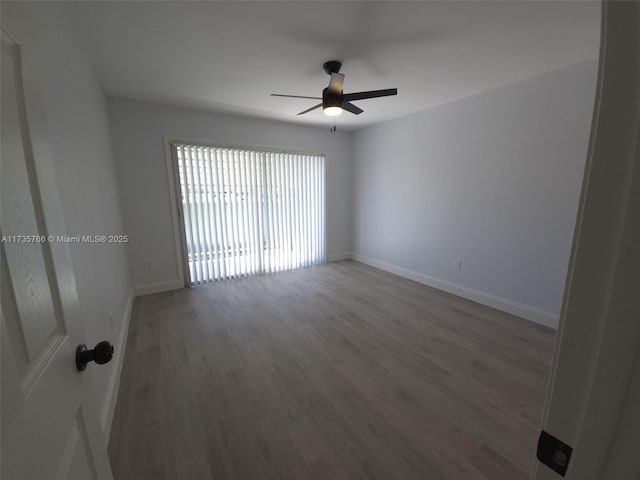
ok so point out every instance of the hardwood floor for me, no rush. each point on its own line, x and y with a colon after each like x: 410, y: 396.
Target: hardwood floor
x: 339, y: 371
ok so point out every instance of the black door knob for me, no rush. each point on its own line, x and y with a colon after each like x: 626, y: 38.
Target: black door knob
x: 102, y: 353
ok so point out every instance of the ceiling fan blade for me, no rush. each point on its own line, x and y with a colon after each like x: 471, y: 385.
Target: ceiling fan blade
x: 350, y: 107
x: 309, y: 109
x: 348, y: 97
x: 335, y: 85
x: 294, y: 96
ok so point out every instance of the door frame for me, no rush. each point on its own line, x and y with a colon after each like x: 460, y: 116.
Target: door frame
x: 177, y: 212
x: 598, y: 337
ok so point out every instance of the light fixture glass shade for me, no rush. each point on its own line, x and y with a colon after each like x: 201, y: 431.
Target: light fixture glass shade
x: 332, y: 111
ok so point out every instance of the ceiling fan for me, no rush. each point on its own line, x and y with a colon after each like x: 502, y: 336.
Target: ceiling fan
x: 334, y: 100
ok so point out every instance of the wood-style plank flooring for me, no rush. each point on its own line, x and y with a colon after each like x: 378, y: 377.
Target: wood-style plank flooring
x: 339, y: 371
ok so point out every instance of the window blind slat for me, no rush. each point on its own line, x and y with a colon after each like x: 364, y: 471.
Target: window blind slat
x: 289, y: 221
x: 210, y: 215
x: 273, y: 219
x: 317, y: 202
x: 237, y: 213
x: 243, y: 207
x: 198, y: 209
x: 314, y: 213
x: 196, y: 212
x: 186, y: 212
x: 250, y: 206
x: 281, y: 236
x: 222, y: 218
x: 193, y: 220
x: 257, y: 236
x: 202, y: 223
x: 323, y: 216
x: 229, y: 218
x: 305, y: 218
x: 298, y: 203
x: 244, y: 186
x: 206, y: 215
x: 270, y: 216
x: 266, y: 187
x: 278, y: 211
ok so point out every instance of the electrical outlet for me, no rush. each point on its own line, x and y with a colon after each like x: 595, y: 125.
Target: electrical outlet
x: 148, y: 265
x: 457, y: 264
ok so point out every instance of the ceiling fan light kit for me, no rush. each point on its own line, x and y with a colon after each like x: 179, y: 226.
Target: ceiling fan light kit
x: 334, y: 100
x: 332, y: 111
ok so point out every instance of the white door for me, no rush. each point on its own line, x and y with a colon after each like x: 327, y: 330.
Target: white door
x: 50, y: 427
x: 593, y: 399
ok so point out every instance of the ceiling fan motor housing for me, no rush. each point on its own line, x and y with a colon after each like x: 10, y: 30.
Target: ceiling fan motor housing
x: 331, y: 99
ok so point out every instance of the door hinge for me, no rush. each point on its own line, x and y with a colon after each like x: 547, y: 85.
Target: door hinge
x: 554, y: 453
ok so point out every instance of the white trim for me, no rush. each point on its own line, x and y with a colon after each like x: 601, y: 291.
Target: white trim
x: 109, y: 407
x: 500, y: 303
x: 589, y: 404
x: 178, y: 231
x: 157, y: 287
x: 339, y: 257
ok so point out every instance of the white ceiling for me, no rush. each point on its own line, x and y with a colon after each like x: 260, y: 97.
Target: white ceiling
x: 229, y: 56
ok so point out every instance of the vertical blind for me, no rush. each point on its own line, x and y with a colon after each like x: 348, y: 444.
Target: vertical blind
x: 248, y: 212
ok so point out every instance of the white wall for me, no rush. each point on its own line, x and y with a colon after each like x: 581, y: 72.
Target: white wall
x: 139, y: 130
x: 493, y: 179
x: 76, y: 112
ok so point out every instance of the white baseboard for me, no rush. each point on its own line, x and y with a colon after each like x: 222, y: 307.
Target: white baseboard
x: 524, y: 311
x: 109, y: 407
x: 338, y: 257
x: 158, y: 287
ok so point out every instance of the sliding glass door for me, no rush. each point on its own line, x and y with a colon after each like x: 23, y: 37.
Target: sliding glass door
x: 247, y: 212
